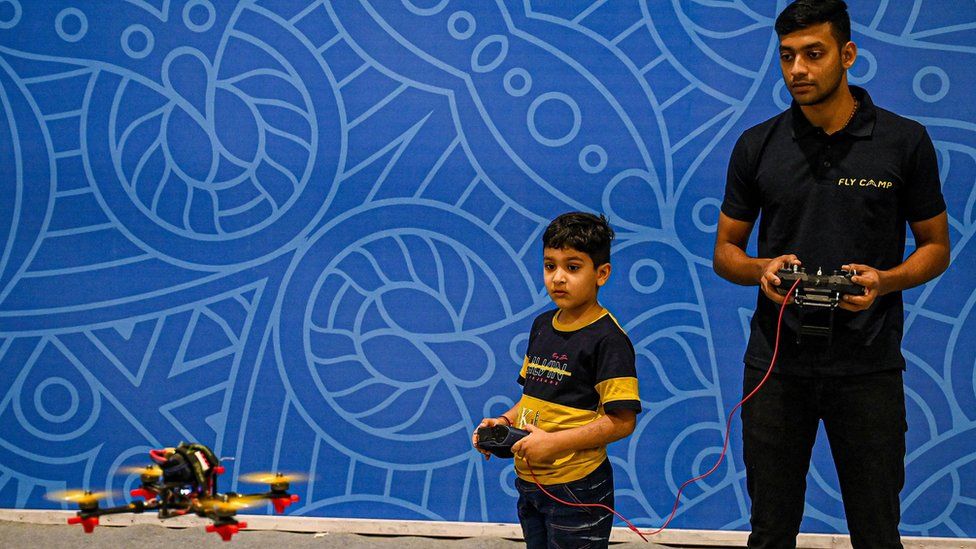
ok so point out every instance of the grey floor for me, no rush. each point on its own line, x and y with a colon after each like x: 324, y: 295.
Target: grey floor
x: 38, y: 536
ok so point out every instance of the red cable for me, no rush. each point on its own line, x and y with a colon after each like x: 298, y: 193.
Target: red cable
x: 572, y: 504
x: 728, y: 427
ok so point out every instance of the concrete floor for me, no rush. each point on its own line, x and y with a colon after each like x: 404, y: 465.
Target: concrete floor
x: 42, y: 536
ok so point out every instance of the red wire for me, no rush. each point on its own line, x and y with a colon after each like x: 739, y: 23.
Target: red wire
x: 573, y: 504
x: 725, y: 445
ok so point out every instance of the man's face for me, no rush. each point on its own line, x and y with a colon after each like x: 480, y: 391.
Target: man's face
x: 813, y: 64
x: 572, y: 279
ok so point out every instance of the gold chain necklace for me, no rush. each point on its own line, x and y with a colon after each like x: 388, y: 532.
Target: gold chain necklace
x: 853, y: 112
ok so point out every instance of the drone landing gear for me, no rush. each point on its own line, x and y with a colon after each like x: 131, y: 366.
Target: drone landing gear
x: 226, y: 529
x: 142, y: 493
x: 88, y: 523
x: 281, y: 503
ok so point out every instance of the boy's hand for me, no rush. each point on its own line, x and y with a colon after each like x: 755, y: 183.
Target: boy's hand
x: 486, y: 422
x: 538, y: 447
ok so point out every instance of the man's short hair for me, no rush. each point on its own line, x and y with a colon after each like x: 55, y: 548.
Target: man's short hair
x: 581, y: 231
x: 807, y: 13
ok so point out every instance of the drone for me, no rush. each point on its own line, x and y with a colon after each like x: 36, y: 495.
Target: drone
x: 183, y: 481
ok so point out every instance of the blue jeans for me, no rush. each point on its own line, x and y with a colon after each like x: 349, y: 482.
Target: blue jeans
x: 864, y: 417
x: 549, y: 524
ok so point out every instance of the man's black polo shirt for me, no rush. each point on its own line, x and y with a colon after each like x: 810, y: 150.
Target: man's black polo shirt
x: 832, y: 200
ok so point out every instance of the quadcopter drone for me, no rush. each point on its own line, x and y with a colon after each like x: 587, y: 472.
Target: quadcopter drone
x: 183, y: 481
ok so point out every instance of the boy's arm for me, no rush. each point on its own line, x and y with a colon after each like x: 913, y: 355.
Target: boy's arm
x: 542, y: 447
x: 508, y: 417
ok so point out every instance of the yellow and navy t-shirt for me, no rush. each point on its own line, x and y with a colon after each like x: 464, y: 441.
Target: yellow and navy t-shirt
x: 572, y: 375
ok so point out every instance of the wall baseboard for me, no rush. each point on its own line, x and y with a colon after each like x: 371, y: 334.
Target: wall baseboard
x: 447, y: 529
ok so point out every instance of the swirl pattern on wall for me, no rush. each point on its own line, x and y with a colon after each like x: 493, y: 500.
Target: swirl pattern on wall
x: 307, y: 233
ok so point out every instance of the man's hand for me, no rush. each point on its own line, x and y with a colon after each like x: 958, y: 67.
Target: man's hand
x: 486, y: 422
x: 769, y: 281
x: 868, y: 277
x: 537, y: 447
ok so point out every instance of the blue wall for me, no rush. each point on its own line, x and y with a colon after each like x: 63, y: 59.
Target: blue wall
x: 307, y: 234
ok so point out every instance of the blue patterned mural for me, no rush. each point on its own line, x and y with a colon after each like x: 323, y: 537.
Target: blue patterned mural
x: 307, y: 233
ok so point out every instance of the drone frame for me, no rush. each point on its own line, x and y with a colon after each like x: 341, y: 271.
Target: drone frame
x: 173, y: 499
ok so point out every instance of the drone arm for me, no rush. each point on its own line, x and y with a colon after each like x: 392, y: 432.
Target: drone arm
x: 279, y: 499
x: 134, y: 507
x: 89, y: 519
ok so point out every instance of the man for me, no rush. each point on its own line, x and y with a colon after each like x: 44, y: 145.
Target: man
x: 835, y: 180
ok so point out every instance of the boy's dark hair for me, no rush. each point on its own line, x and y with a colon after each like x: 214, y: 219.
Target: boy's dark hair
x: 806, y: 13
x: 581, y: 231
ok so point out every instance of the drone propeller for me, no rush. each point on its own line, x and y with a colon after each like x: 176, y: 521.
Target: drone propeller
x: 148, y: 471
x: 273, y: 478
x: 81, y: 497
x: 230, y: 503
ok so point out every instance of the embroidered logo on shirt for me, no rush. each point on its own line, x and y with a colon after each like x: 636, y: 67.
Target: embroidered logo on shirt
x: 855, y: 182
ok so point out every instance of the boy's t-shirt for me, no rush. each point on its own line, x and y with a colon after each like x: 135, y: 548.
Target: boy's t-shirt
x: 572, y: 375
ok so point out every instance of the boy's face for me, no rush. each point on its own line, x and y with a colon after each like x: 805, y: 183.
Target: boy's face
x: 572, y: 279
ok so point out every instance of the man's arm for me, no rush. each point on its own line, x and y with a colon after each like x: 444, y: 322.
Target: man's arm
x: 731, y: 262
x: 543, y: 447
x: 929, y: 260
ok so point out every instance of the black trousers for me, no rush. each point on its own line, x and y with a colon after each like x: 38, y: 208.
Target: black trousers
x: 864, y: 417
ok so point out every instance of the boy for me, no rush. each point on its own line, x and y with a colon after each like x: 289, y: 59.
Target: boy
x: 579, y: 393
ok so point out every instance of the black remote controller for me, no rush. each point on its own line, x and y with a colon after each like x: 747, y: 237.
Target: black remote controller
x: 499, y: 439
x: 813, y: 284
x: 817, y: 291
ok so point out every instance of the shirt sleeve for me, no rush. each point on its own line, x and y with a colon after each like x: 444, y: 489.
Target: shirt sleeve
x: 616, y: 376
x: 923, y: 191
x: 742, y: 199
